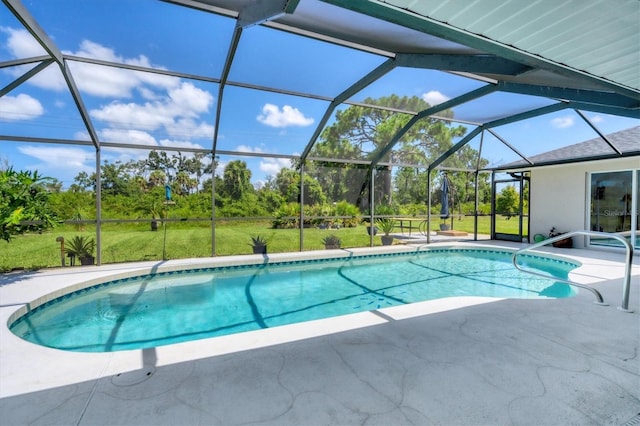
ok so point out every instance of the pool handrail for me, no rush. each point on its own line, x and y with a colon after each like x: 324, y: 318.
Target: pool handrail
x: 624, y: 306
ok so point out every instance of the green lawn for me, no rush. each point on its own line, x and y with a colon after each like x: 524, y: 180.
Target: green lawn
x: 135, y: 242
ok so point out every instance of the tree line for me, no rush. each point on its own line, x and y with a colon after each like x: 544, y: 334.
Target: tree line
x: 135, y: 189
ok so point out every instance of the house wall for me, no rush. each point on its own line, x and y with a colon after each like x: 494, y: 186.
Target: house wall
x: 559, y: 195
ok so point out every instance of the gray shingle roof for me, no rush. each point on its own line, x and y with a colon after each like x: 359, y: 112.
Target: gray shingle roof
x: 627, y: 141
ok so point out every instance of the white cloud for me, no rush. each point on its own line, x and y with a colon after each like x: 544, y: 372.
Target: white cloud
x: 220, y: 166
x: 245, y: 148
x: 271, y: 166
x: 190, y: 100
x: 174, y: 112
x: 189, y: 128
x: 135, y: 137
x: 113, y: 82
x: 434, y: 97
x: 122, y: 154
x: 21, y: 107
x: 562, y: 122
x: 21, y: 44
x: 597, y: 119
x: 53, y: 157
x: 180, y: 144
x: 104, y: 81
x: 287, y: 116
x: 149, y: 116
x: 92, y: 79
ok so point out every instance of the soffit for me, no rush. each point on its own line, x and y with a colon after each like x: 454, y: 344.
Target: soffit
x: 600, y: 38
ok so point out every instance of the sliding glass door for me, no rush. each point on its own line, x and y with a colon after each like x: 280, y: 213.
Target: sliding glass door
x: 614, y: 207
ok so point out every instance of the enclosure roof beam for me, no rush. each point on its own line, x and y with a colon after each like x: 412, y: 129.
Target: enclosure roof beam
x: 26, y: 76
x: 482, y: 64
x: 511, y: 147
x: 372, y: 76
x: 233, y: 46
x: 595, y: 129
x: 606, y: 109
x: 24, y: 61
x: 455, y: 148
x: 23, y: 15
x: 25, y: 18
x: 482, y: 91
x: 261, y: 11
x: 84, y: 114
x: 527, y: 114
x: 580, y: 95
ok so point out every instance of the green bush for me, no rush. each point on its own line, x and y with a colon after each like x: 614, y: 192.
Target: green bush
x: 287, y: 216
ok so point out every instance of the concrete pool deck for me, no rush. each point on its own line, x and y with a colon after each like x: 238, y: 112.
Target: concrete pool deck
x: 450, y: 361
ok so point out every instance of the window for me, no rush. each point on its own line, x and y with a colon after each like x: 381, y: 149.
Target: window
x: 615, y: 200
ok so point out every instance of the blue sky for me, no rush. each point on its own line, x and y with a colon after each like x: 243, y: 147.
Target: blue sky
x: 160, y: 111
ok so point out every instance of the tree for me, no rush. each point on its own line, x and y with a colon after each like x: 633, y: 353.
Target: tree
x: 84, y: 182
x: 23, y: 198
x: 287, y: 181
x: 116, y: 179
x: 508, y: 201
x: 236, y: 180
x: 363, y: 133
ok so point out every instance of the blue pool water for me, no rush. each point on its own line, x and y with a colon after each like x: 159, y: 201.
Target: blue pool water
x: 166, y: 308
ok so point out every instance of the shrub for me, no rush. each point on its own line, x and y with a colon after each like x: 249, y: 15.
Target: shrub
x: 386, y: 225
x: 331, y: 240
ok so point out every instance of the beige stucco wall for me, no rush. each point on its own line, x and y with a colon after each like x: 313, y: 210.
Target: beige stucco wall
x: 559, y: 194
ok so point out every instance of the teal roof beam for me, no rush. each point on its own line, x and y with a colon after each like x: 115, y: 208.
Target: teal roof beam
x: 484, y: 64
x: 455, y: 148
x: 527, y: 114
x: 585, y: 96
x: 372, y: 76
x: 606, y: 109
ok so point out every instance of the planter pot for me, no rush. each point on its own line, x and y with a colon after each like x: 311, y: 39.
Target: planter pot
x: 444, y: 227
x: 260, y: 250
x: 331, y: 246
x: 87, y: 260
x: 375, y: 230
x: 387, y: 240
x: 566, y: 243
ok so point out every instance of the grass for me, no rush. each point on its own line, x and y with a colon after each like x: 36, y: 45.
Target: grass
x: 136, y: 242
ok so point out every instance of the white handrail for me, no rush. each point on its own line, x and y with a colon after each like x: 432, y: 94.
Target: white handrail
x: 624, y: 306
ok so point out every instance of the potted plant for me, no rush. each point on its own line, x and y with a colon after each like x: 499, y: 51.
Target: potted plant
x: 564, y: 243
x: 372, y: 229
x: 331, y: 242
x: 81, y: 247
x: 259, y: 245
x: 154, y: 211
x: 386, y: 225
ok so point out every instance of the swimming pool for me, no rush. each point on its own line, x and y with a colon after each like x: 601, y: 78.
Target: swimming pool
x: 171, y: 307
